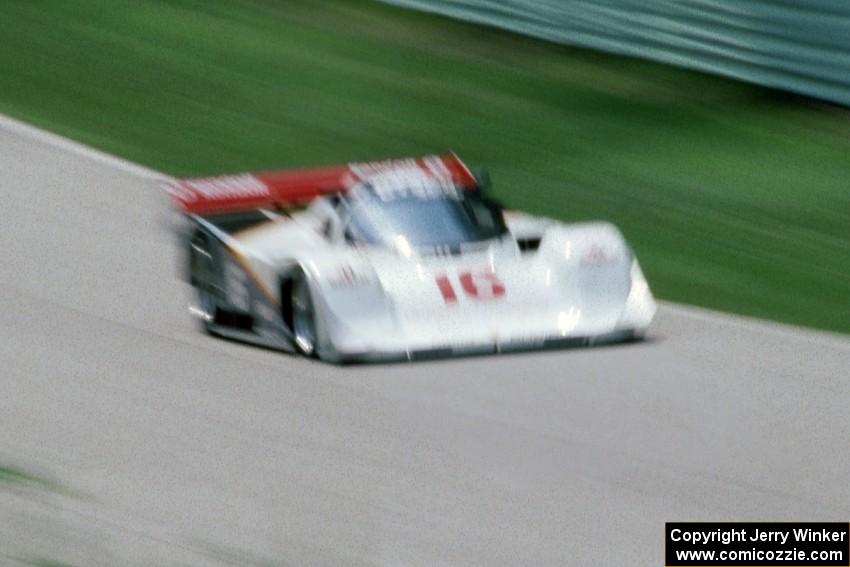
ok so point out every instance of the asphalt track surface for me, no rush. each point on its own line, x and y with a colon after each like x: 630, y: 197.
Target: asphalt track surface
x: 175, y: 448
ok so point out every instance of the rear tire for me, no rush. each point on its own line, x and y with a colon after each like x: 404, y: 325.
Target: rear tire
x: 201, y: 266
x: 206, y: 304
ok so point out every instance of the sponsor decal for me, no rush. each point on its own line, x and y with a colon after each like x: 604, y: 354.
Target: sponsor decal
x: 596, y: 256
x: 224, y: 187
x: 432, y: 165
x: 178, y: 192
x: 347, y: 276
x: 428, y: 178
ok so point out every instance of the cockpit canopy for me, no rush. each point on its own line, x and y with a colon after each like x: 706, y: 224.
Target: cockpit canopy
x: 423, y: 215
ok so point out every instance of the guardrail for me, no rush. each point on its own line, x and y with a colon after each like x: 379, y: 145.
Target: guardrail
x: 801, y: 46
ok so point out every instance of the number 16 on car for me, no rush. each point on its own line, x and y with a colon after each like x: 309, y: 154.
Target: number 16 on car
x: 481, y: 285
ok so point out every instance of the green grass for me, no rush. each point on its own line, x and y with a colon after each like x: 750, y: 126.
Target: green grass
x: 735, y: 197
x: 15, y: 477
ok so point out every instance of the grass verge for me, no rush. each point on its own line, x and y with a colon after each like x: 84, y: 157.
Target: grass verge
x: 18, y: 478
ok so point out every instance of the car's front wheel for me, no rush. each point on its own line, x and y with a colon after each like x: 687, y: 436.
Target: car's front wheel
x: 303, y: 315
x: 304, y: 329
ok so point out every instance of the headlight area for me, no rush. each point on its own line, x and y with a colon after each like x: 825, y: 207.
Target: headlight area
x: 640, y: 305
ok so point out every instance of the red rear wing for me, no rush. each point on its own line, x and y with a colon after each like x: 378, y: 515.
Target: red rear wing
x: 232, y: 193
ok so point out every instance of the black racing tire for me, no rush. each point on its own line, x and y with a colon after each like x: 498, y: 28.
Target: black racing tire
x: 205, y: 299
x: 305, y: 331
x: 207, y: 304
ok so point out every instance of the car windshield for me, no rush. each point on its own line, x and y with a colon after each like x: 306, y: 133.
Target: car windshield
x: 445, y: 222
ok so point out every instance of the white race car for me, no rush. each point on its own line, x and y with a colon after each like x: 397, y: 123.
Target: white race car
x: 399, y: 259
